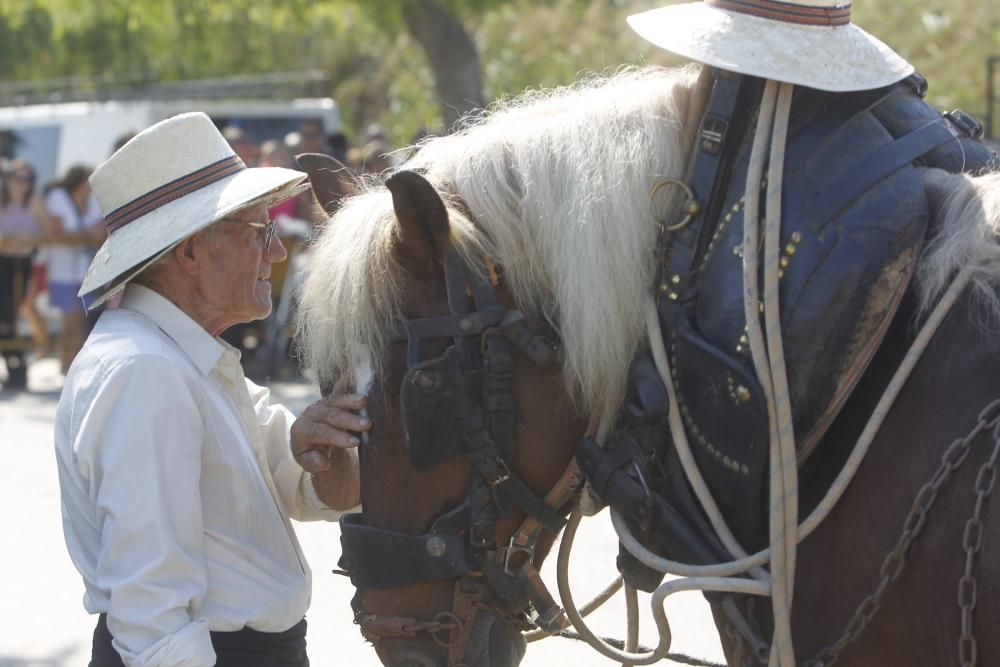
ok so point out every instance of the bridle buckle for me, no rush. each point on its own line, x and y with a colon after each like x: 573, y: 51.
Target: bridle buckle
x: 512, y: 549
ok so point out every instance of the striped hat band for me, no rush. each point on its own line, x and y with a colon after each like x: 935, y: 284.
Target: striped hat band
x: 173, y: 190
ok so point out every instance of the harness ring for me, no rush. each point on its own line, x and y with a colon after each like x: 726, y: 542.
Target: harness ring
x: 691, y: 205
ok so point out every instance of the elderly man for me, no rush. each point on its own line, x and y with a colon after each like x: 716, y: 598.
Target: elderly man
x: 178, y: 475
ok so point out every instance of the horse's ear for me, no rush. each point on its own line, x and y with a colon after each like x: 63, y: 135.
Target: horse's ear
x: 331, y: 179
x: 422, y: 216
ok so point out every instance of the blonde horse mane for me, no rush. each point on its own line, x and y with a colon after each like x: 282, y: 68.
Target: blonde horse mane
x: 552, y: 180
x: 558, y: 185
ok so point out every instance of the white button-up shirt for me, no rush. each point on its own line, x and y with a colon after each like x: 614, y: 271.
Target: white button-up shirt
x: 177, y: 486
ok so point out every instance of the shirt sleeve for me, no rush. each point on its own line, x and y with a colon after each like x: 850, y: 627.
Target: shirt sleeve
x: 293, y: 483
x: 143, y: 435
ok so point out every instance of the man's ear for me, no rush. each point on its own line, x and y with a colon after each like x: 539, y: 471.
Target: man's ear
x: 188, y: 252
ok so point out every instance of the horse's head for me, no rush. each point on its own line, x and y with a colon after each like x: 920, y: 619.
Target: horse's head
x: 472, y: 422
x: 447, y: 288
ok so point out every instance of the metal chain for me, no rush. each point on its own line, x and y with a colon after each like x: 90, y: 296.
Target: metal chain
x: 894, y: 562
x: 972, y: 541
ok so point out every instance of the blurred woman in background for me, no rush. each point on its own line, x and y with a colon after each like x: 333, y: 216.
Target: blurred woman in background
x: 76, y: 230
x: 21, y: 231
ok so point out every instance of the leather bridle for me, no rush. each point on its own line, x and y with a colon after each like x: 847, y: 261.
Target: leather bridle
x: 475, y: 376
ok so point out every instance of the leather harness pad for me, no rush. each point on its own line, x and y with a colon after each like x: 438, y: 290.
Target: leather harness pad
x: 854, y: 216
x: 435, y: 397
x: 379, y: 559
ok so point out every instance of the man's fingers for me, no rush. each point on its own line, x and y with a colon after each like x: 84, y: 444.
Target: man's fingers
x: 345, y: 401
x: 314, y: 460
x: 320, y: 434
x: 337, y: 417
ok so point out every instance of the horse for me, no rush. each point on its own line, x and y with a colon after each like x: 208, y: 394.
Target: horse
x: 542, y: 207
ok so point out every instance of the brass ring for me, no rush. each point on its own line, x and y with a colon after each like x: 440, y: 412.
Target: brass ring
x: 691, y: 205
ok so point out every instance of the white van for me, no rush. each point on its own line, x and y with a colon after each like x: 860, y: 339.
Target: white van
x: 53, y: 137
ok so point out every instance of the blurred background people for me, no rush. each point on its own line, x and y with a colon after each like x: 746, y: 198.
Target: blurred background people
x: 312, y: 137
x: 242, y: 145
x: 76, y: 229
x: 21, y: 232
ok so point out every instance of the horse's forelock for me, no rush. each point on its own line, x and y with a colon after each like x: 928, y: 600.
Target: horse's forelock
x: 558, y: 184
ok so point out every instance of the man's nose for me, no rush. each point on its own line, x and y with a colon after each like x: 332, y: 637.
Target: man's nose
x: 276, y: 252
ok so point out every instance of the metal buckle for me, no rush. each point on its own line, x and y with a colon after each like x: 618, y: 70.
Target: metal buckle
x: 965, y: 123
x: 512, y: 549
x: 503, y: 476
x: 713, y: 131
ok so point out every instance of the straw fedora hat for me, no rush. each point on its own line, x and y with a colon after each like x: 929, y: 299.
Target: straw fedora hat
x: 807, y: 42
x: 170, y: 181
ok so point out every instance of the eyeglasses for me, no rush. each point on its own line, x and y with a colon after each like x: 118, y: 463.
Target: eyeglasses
x: 268, y: 228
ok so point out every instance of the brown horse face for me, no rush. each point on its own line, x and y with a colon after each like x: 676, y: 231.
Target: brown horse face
x: 397, y: 497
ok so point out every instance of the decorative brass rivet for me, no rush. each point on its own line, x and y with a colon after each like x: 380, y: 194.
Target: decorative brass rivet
x: 710, y: 448
x: 435, y: 546
x: 783, y: 262
x: 739, y: 349
x: 726, y: 460
x: 745, y: 470
x: 790, y: 249
x: 691, y: 207
x: 673, y: 296
x: 676, y: 280
x: 742, y: 394
x: 702, y: 441
x: 729, y: 217
x: 664, y: 287
x: 781, y: 273
x: 796, y: 237
x: 744, y: 340
x: 738, y: 250
x: 736, y: 207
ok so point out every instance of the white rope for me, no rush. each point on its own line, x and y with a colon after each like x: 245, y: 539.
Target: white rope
x: 843, y: 479
x: 784, y: 490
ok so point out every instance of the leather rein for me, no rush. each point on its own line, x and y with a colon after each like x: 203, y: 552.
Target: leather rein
x: 461, y: 543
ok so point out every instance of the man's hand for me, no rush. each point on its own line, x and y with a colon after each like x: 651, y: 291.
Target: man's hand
x: 324, y: 431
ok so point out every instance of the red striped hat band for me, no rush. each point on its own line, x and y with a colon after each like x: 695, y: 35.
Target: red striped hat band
x: 173, y: 190
x: 788, y: 13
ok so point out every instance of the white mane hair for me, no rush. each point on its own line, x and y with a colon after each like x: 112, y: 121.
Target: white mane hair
x: 558, y: 185
x: 968, y: 210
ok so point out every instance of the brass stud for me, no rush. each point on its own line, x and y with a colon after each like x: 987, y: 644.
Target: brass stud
x: 664, y: 287
x: 673, y: 296
x: 727, y: 461
x: 710, y: 448
x: 738, y: 250
x: 790, y: 249
x: 736, y: 207
x: 742, y: 394
x: 745, y: 470
x: 744, y: 339
x: 781, y: 273
x: 676, y: 280
x: 702, y: 441
x: 783, y: 262
x: 739, y: 349
x: 796, y: 237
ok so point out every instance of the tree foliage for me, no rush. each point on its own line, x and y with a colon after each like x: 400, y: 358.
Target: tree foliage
x: 380, y: 73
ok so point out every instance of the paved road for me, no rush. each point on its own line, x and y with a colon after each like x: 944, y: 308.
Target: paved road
x: 42, y: 622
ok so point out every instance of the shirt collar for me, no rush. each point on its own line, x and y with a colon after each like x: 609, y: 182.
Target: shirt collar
x: 203, y: 349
